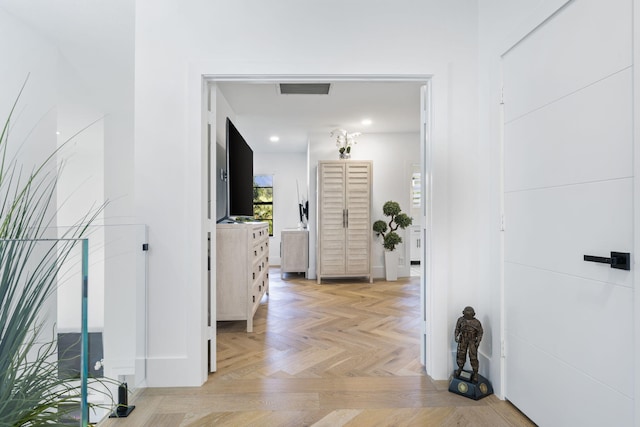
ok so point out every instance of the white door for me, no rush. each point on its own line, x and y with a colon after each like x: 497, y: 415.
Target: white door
x: 568, y: 192
x: 210, y: 93
x: 425, y: 223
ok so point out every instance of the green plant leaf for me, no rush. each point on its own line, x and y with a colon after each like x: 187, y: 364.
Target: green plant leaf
x: 391, y: 240
x: 403, y: 220
x: 391, y: 208
x: 380, y: 227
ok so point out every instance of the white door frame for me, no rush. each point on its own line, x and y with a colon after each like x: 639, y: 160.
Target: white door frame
x: 425, y: 148
x: 635, y: 258
x: 426, y: 120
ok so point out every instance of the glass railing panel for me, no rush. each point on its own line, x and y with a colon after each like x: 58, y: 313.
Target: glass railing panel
x: 117, y: 313
x: 44, y: 379
x: 89, y: 299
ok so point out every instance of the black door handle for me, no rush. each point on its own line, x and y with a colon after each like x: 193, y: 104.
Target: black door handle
x: 619, y: 260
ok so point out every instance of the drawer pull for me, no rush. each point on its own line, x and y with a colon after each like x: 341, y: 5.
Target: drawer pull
x: 254, y: 298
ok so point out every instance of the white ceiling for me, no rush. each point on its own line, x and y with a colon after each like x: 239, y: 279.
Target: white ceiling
x: 261, y: 111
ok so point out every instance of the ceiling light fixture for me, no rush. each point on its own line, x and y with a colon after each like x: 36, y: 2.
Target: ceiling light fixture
x: 274, y: 138
x: 366, y: 122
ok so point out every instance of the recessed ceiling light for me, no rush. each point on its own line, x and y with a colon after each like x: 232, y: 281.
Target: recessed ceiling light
x: 274, y: 138
x: 57, y: 132
x: 366, y: 122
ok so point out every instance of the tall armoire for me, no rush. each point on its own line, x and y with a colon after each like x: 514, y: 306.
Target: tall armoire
x: 344, y: 219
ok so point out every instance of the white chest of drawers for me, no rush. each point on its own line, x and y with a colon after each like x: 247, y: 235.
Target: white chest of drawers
x: 242, y: 270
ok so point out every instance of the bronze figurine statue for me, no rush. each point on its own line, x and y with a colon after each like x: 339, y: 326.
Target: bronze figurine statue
x: 468, y: 335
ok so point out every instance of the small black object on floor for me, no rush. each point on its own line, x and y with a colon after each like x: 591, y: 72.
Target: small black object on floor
x: 123, y: 409
x: 463, y: 386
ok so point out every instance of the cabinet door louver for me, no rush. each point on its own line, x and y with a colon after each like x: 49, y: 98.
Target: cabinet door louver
x: 332, y: 219
x: 358, y: 226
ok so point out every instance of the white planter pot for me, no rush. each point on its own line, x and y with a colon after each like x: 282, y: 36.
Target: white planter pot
x: 391, y: 265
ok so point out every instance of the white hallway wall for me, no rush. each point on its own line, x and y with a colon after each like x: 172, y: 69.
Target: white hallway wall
x: 286, y: 169
x: 92, y: 70
x: 430, y: 37
x: 80, y: 189
x: 70, y: 86
x: 32, y: 136
x: 37, y: 108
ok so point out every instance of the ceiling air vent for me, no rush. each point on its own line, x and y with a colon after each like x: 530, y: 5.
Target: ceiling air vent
x: 304, y: 88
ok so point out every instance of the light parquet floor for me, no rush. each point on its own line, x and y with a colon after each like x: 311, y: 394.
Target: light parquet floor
x: 344, y: 353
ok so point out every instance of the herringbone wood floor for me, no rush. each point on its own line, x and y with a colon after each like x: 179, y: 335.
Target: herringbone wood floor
x: 344, y: 353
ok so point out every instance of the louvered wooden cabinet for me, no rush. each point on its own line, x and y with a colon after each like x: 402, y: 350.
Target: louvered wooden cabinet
x: 242, y: 270
x: 344, y: 219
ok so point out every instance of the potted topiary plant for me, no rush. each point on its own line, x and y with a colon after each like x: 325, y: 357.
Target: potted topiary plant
x: 390, y: 239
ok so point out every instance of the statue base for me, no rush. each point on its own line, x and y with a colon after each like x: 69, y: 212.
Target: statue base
x: 463, y: 386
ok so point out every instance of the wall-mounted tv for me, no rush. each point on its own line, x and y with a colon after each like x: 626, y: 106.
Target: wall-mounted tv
x: 239, y: 175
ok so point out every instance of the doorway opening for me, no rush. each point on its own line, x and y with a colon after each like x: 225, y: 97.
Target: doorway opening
x: 422, y: 110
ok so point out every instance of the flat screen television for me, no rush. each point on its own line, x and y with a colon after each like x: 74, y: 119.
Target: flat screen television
x: 239, y: 166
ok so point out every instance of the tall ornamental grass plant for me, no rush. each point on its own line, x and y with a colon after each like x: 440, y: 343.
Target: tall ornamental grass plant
x: 31, y: 393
